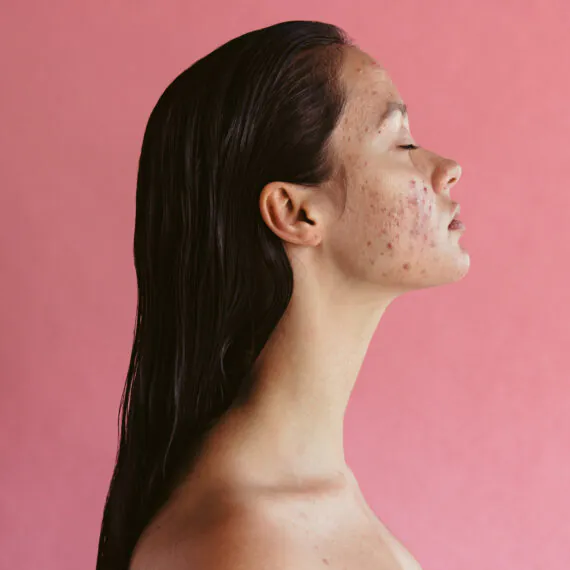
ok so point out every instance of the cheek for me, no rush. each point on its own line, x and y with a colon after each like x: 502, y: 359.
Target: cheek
x: 420, y: 210
x: 400, y: 224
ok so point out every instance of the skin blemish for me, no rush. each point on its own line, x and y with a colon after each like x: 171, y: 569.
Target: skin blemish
x: 414, y: 201
x: 425, y: 189
x: 326, y: 561
x: 368, y: 243
x: 406, y: 266
x: 412, y: 183
x: 390, y: 246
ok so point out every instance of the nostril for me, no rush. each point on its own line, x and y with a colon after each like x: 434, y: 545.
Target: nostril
x: 452, y: 181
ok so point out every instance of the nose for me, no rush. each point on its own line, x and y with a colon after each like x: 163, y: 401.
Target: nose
x: 445, y: 175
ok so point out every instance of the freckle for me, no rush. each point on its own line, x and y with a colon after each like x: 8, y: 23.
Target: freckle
x: 369, y: 243
x: 389, y: 246
x: 406, y: 266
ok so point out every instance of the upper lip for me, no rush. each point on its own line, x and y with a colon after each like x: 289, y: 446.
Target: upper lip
x: 456, y: 212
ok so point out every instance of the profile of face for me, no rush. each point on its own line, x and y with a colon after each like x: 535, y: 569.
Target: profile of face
x: 395, y: 229
x: 394, y: 232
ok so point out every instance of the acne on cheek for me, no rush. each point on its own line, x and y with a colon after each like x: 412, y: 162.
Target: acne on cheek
x: 421, y: 203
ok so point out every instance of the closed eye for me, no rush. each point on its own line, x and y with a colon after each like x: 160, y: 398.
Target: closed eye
x: 409, y: 146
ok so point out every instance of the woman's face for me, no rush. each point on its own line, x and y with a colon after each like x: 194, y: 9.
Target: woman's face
x: 394, y: 231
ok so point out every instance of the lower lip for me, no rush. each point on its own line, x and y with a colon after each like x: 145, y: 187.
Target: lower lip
x: 457, y: 225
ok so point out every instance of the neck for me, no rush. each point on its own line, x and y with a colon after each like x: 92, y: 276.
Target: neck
x: 291, y: 426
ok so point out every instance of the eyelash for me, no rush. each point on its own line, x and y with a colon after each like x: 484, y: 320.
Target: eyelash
x: 409, y: 147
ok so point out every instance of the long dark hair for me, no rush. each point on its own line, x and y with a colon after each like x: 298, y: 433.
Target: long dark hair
x: 213, y: 279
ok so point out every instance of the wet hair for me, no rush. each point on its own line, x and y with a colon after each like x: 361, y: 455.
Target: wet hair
x: 213, y: 280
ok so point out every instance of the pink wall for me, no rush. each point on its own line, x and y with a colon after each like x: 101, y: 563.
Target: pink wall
x: 459, y: 425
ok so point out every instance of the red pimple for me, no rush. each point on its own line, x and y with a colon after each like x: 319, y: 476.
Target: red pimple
x: 389, y: 246
x: 406, y: 266
x: 425, y: 189
x: 412, y: 183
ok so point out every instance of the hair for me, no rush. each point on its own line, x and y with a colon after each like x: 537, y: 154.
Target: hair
x: 213, y: 280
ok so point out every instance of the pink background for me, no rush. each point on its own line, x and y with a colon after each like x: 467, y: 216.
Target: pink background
x: 458, y: 427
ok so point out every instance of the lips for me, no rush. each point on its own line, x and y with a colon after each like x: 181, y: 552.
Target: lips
x: 456, y: 223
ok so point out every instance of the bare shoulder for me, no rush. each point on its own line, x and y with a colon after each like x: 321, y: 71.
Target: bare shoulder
x: 235, y: 539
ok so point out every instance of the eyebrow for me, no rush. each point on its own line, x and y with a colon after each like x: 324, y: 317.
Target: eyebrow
x: 392, y: 107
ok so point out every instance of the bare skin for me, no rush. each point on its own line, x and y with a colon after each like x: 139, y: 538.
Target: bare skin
x: 271, y: 488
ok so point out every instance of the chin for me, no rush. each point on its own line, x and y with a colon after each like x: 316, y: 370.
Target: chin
x: 457, y: 270
x: 454, y: 271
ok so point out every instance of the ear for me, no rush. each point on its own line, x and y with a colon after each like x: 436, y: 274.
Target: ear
x: 292, y: 212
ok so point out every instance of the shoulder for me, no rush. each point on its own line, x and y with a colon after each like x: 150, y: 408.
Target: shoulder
x: 235, y: 539
x: 246, y: 540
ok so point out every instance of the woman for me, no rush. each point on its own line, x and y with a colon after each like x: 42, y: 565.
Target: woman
x: 281, y: 205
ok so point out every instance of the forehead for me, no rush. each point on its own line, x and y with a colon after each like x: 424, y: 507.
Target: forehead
x: 367, y: 83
